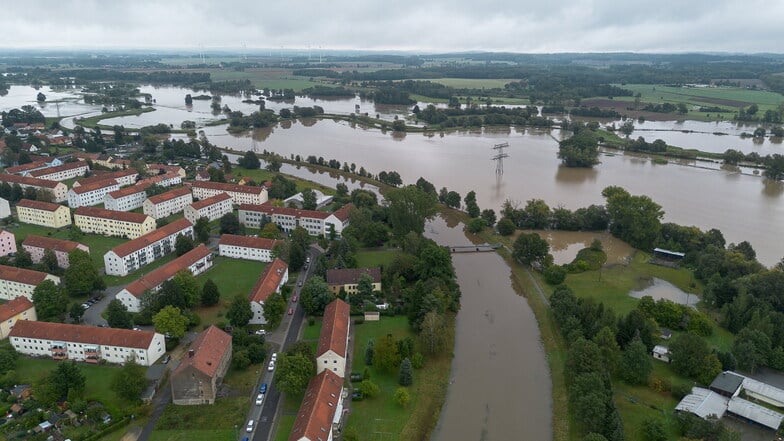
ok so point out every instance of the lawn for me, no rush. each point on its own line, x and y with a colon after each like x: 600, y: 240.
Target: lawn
x: 382, y: 414
x: 370, y: 259
x: 233, y: 277
x: 120, y: 280
x: 260, y: 175
x: 311, y: 333
x: 707, y: 96
x: 196, y: 435
x: 285, y: 425
x: 204, y: 421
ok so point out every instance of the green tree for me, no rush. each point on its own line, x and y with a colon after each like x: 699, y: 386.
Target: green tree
x: 774, y: 167
x: 271, y: 231
x: 402, y: 397
x: 506, y: 227
x: 369, y: 388
x: 751, y: 349
x: 274, y: 163
x: 117, y: 315
x: 433, y: 332
x: 250, y: 161
x: 274, y: 308
x: 66, y: 381
x: 471, y: 206
x: 294, y: 371
x: 653, y: 429
x: 385, y: 354
x: 581, y: 150
x: 452, y: 199
x: 398, y: 125
x: 76, y: 312
x: 369, y: 352
x: 190, y: 287
x: 202, y: 229
x: 488, y: 215
x: 476, y: 225
x: 409, y: 208
x: 554, y: 274
x: 636, y: 364
x: 23, y: 259
x: 634, y: 219
x: 406, y: 375
x: 611, y: 352
x: 688, y: 353
x: 170, y: 321
x: 129, y: 382
x: 230, y: 224
x: 81, y: 277
x: 50, y: 301
x: 182, y: 245
x: 210, y: 294
x: 530, y: 248
x: 308, y: 199
x: 535, y: 215
x: 239, y: 313
x: 49, y: 262
x: 315, y: 296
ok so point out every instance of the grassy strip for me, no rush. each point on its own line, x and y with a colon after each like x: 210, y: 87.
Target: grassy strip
x: 369, y: 259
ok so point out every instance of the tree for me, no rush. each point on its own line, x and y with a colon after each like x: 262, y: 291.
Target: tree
x: 506, y: 227
x: 182, y: 244
x: 385, y: 354
x: 49, y: 262
x: 369, y: 352
x: 554, y: 274
x: 611, y: 353
x: 627, y: 128
x: 202, y: 229
x: 81, y: 277
x: 751, y: 349
x: 23, y: 258
x: 406, y: 375
x: 66, y: 381
x: 40, y: 97
x: 230, y: 224
x: 270, y: 231
x: 433, y: 332
x: 210, y: 295
x: 117, y: 315
x: 129, y: 382
x: 530, y: 248
x: 471, y: 206
x: 369, y: 388
x: 190, y: 287
x: 50, y: 301
x: 634, y: 219
x: 239, y: 313
x: 653, y: 430
x: 452, y: 199
x: 402, y: 397
x: 309, y: 199
x: 409, y: 208
x: 398, y: 125
x: 581, y: 150
x: 274, y: 308
x: 687, y: 354
x: 188, y: 100
x: 170, y: 321
x: 250, y: 161
x: 636, y: 364
x: 488, y: 215
x: 76, y: 312
x: 294, y: 371
x: 315, y: 296
x: 274, y: 163
x: 774, y: 167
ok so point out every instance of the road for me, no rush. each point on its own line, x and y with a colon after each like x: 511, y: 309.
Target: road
x: 264, y: 416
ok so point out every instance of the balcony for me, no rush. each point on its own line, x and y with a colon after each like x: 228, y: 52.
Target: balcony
x: 59, y: 352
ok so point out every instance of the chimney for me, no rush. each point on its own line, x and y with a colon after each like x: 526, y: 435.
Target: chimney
x: 190, y: 353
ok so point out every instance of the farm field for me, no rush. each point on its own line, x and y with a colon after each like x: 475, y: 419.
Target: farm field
x: 733, y: 97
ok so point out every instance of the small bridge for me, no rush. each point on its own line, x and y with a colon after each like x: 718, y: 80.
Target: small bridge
x: 474, y: 248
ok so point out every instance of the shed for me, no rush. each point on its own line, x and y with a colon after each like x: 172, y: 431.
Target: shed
x: 755, y: 413
x: 661, y: 353
x: 703, y: 403
x: 665, y: 334
x: 372, y: 316
x: 727, y: 383
x: 763, y: 392
x: 661, y: 253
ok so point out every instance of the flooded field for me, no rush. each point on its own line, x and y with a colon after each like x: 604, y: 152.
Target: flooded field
x: 564, y: 245
x: 662, y: 289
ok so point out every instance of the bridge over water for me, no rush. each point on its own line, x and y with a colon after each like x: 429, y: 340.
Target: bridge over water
x: 474, y: 248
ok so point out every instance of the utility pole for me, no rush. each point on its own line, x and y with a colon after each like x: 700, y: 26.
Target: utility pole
x: 499, y: 158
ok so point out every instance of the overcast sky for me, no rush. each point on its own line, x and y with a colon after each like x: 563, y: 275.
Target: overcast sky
x: 411, y: 25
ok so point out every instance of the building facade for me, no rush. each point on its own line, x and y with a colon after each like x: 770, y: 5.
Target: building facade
x: 212, y: 208
x: 316, y: 223
x: 58, y: 190
x: 166, y: 204
x: 240, y: 194
x: 125, y: 199
x: 333, y: 340
x: 321, y: 409
x: 69, y: 170
x: 7, y: 243
x: 113, y: 223
x: 245, y: 247
x: 197, y: 261
x: 20, y: 308
x: 272, y: 280
x: 37, y: 245
x: 196, y: 379
x: 45, y: 214
x: 5, y: 208
x: 91, y: 194
x: 348, y: 279
x: 15, y: 282
x: 166, y: 180
x: 90, y: 344
x: 123, y: 177
x: 132, y: 255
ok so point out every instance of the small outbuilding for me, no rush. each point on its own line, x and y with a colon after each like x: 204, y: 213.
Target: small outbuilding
x: 661, y: 353
x: 727, y: 384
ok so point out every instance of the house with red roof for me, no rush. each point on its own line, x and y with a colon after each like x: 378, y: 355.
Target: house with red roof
x: 201, y: 370
x: 134, y: 254
x: 168, y: 203
x: 20, y: 308
x: 321, y: 409
x: 212, y: 208
x: 240, y: 194
x: 15, y: 282
x: 316, y: 223
x: 271, y: 281
x: 37, y: 245
x: 333, y: 340
x: 246, y: 247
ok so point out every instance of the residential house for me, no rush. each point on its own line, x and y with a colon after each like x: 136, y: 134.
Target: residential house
x: 332, y: 348
x: 58, y: 190
x: 20, y: 308
x: 36, y: 245
x: 165, y: 180
x: 271, y: 281
x: 212, y: 208
x: 197, y: 261
x: 321, y: 409
x: 113, y: 223
x: 196, y: 379
x: 90, y: 344
x: 132, y: 255
x: 166, y: 204
x: 7, y: 243
x: 25, y: 169
x: 15, y: 282
x: 46, y: 214
x: 21, y: 391
x: 164, y: 168
x: 240, y: 194
x: 126, y: 199
x: 316, y: 223
x: 727, y: 384
x: 69, y: 170
x: 5, y: 208
x: 123, y: 177
x: 348, y: 278
x: 92, y: 193
x: 245, y: 247
x: 202, y: 176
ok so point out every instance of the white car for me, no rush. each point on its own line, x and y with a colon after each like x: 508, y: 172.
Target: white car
x: 261, y: 332
x: 274, y: 356
x: 259, y: 399
x: 271, y: 366
x: 249, y: 428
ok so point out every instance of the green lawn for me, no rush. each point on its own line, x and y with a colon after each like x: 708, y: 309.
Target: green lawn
x: 698, y: 96
x: 370, y: 259
x: 120, y: 280
x: 201, y: 420
x: 233, y: 277
x: 261, y: 175
x: 99, y: 245
x: 285, y: 425
x: 197, y: 435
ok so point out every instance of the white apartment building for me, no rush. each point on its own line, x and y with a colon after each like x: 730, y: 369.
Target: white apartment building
x: 86, y: 343
x: 126, y: 199
x: 113, y: 223
x: 333, y: 340
x: 58, y: 190
x: 212, y: 208
x: 245, y: 247
x: 272, y: 279
x: 123, y: 177
x: 132, y: 255
x: 240, y: 194
x: 5, y: 208
x: 69, y: 170
x: 197, y: 261
x: 166, y: 204
x: 169, y: 179
x: 87, y: 195
x: 316, y: 223
x: 15, y: 282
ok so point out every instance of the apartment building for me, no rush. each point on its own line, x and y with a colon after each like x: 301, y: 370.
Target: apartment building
x: 15, y: 282
x: 126, y: 199
x: 113, y: 223
x: 123, y: 177
x: 212, y: 208
x: 166, y: 204
x: 321, y: 409
x: 37, y: 245
x: 272, y: 280
x: 92, y: 193
x: 7, y: 243
x: 348, y: 279
x: 69, y: 170
x: 26, y: 169
x: 245, y: 247
x: 90, y: 344
x: 197, y: 261
x: 132, y: 255
x: 316, y: 223
x: 164, y: 169
x: 58, y: 190
x: 169, y: 179
x: 5, y: 208
x: 20, y: 308
x: 45, y: 214
x: 240, y: 194
x: 332, y: 347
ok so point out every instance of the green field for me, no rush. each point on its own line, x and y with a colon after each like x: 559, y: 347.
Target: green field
x: 265, y: 78
x: 202, y: 420
x: 98, y: 245
x: 370, y: 259
x: 196, y: 435
x: 285, y: 424
x: 233, y: 277
x: 260, y: 175
x: 471, y: 83
x: 707, y: 96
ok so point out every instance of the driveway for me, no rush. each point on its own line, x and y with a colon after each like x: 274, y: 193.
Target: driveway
x: 92, y: 316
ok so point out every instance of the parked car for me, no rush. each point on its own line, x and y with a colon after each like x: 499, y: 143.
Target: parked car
x: 166, y: 359
x: 263, y: 388
x: 294, y: 299
x: 249, y: 428
x: 85, y: 306
x: 299, y: 283
x: 291, y: 311
x: 259, y: 399
x: 356, y: 376
x: 261, y: 332
x: 274, y: 356
x: 271, y: 366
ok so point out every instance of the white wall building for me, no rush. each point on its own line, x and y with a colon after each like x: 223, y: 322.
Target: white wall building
x: 240, y: 194
x: 15, y: 282
x: 125, y: 199
x: 212, y: 208
x: 69, y: 170
x: 5, y: 208
x: 123, y: 177
x: 333, y: 340
x: 91, y: 194
x: 166, y: 204
x: 245, y: 247
x: 132, y: 255
x: 57, y: 189
x: 274, y: 277
x: 316, y: 223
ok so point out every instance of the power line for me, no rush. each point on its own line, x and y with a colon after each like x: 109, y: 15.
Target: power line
x: 499, y: 158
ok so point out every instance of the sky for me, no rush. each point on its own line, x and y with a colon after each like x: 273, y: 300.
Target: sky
x: 419, y: 26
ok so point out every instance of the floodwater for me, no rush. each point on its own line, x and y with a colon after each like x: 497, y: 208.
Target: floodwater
x: 67, y: 102
x: 500, y: 387
x: 662, y: 289
x: 564, y: 245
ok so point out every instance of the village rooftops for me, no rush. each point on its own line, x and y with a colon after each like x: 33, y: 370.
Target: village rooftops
x: 38, y: 205
x: 208, y: 349
x: 21, y: 275
x: 248, y: 242
x: 198, y: 205
x: 127, y: 191
x: 25, y: 167
x: 269, y: 281
x: 703, y: 403
x: 350, y: 276
x: 228, y: 187
x: 159, y: 275
x: 14, y: 307
x: 150, y: 238
x: 169, y: 195
x: 102, y: 176
x: 59, y: 168
x: 334, y: 330
x: 122, y: 216
x: 83, y: 334
x: 95, y: 185
x: 26, y: 180
x: 65, y: 246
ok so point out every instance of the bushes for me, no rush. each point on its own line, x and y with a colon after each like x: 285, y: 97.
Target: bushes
x: 554, y: 274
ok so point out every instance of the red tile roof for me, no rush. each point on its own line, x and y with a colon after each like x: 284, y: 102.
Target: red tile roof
x: 123, y: 216
x: 314, y: 419
x: 269, y: 209
x: 26, y: 180
x: 25, y: 167
x: 21, y: 275
x: 61, y: 245
x: 100, y: 175
x: 83, y: 334
x: 94, y: 185
x: 169, y: 195
x: 38, y: 205
x: 158, y: 178
x: 348, y: 276
x: 248, y: 242
x: 161, y: 274
x: 228, y: 187
x: 127, y: 191
x: 59, y: 168
x: 208, y: 348
x: 269, y: 281
x: 14, y: 307
x: 343, y: 212
x: 198, y: 205
x: 150, y: 238
x: 334, y: 328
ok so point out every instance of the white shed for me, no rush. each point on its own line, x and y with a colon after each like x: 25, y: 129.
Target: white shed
x: 661, y: 353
